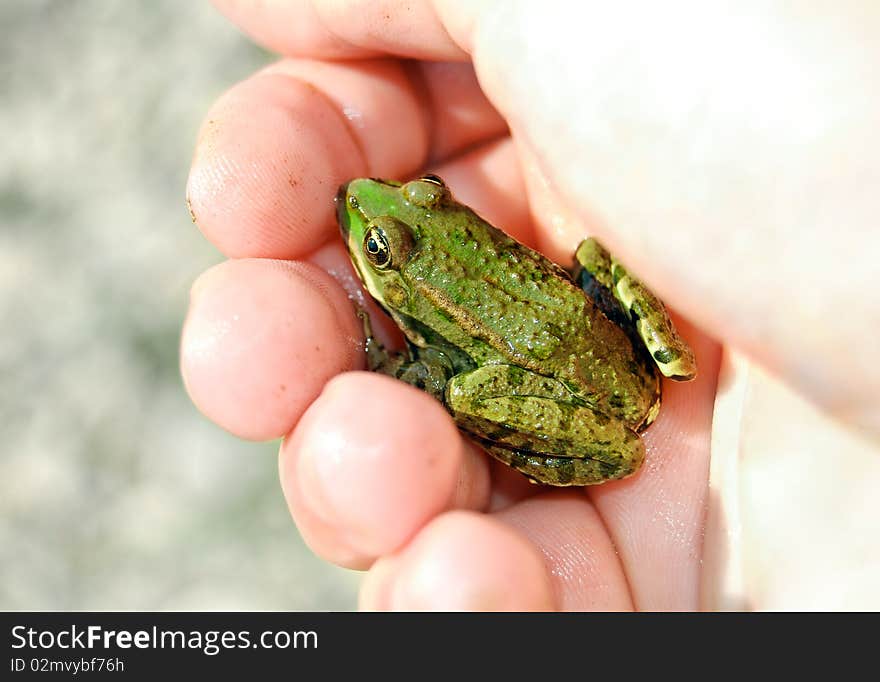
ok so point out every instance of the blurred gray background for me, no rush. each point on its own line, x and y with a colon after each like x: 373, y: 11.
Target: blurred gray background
x: 115, y: 493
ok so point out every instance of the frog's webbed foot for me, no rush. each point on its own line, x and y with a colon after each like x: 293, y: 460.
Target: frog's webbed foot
x: 534, y: 424
x: 629, y: 303
x: 429, y: 372
x: 378, y: 358
x: 426, y: 369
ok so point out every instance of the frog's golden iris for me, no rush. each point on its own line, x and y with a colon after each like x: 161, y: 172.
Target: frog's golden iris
x: 376, y: 248
x: 554, y: 373
x: 387, y: 242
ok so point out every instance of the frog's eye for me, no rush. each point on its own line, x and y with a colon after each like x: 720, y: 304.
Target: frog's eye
x: 376, y: 248
x: 428, y: 191
x: 387, y: 242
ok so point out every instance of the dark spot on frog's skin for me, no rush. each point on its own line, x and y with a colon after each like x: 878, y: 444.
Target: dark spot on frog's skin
x: 518, y: 459
x: 636, y: 310
x: 563, y: 468
x: 516, y: 376
x: 664, y: 355
x: 283, y: 387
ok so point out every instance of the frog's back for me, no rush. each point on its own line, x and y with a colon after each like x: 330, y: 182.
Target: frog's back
x: 502, y: 302
x: 501, y: 292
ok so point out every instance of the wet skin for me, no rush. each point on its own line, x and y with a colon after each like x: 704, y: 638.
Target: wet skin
x: 554, y: 373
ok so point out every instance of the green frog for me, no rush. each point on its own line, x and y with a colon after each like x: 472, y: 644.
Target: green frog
x: 554, y: 373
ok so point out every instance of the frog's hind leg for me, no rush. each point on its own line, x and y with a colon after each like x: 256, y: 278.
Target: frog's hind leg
x: 592, y: 273
x: 558, y: 471
x: 424, y: 369
x: 630, y: 304
x: 534, y: 424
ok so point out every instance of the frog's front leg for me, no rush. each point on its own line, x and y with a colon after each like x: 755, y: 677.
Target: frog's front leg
x: 615, y: 291
x: 426, y: 369
x: 536, y: 425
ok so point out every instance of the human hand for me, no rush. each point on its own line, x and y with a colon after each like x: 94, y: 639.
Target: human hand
x: 618, y: 131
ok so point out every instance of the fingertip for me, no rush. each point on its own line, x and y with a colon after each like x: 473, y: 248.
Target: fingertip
x: 373, y: 460
x: 269, y: 158
x: 462, y: 561
x: 260, y: 340
x: 376, y: 99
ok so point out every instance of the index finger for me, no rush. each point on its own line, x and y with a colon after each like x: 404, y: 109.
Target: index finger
x: 273, y: 149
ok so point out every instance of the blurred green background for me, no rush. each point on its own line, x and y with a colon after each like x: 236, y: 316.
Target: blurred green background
x: 116, y: 492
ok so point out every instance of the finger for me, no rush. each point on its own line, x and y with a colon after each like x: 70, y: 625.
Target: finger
x: 656, y: 518
x: 586, y: 572
x: 274, y: 149
x: 261, y: 339
x: 371, y: 462
x: 460, y: 115
x: 443, y: 101
x: 461, y: 562
x: 345, y: 29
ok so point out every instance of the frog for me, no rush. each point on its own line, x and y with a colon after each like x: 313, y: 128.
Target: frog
x: 554, y: 372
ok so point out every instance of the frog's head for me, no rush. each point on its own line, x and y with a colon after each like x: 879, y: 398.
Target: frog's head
x: 379, y: 221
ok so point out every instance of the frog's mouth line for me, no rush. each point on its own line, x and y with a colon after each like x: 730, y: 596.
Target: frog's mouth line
x: 343, y: 218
